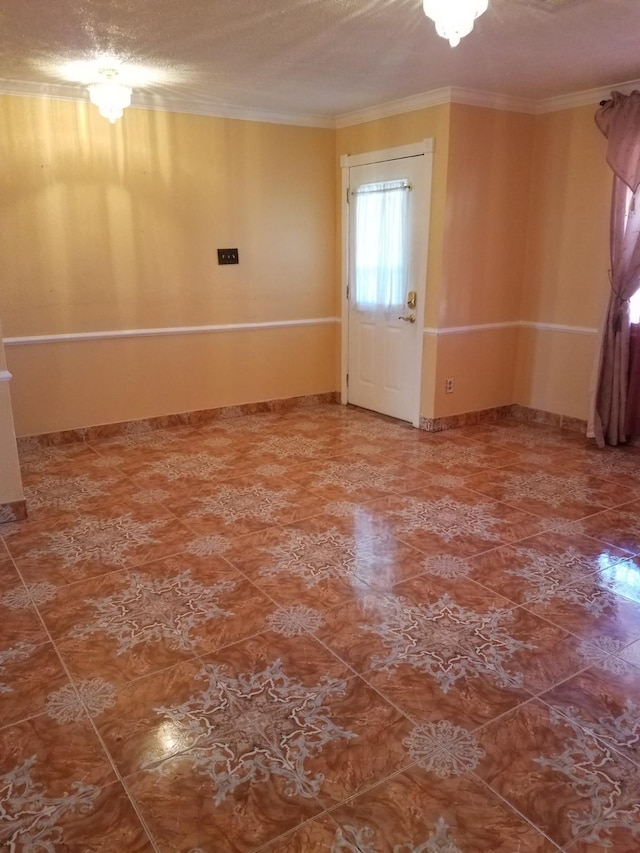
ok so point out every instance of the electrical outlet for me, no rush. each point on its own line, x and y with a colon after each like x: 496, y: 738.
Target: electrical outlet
x: 228, y: 256
x: 448, y: 385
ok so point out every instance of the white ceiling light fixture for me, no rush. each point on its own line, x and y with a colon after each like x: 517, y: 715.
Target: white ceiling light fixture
x: 454, y: 19
x: 110, y: 96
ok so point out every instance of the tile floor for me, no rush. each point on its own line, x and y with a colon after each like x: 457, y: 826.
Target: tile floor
x: 323, y: 631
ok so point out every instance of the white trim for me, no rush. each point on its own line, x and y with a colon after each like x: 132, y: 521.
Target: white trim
x: 344, y: 281
x: 425, y: 149
x: 489, y: 100
x: 492, y: 100
x: 586, y: 98
x: 463, y: 330
x: 558, y: 327
x: 401, y: 152
x: 148, y: 101
x: 393, y: 108
x: 423, y: 100
x: 434, y: 98
x: 512, y: 324
x: 174, y: 330
x: 5, y: 376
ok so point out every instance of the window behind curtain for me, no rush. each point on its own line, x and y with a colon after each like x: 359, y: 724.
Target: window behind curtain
x: 634, y: 302
x: 381, y: 253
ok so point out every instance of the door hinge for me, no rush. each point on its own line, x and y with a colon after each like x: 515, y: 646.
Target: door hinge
x: 348, y: 201
x: 348, y: 290
x: 347, y: 380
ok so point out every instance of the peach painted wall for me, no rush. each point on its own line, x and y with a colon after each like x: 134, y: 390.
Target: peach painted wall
x: 10, y: 478
x: 116, y: 227
x: 487, y: 205
x: 565, y: 276
x: 106, y: 381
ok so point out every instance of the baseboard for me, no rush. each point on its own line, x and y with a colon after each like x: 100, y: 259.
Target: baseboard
x: 13, y: 511
x: 193, y: 419
x: 540, y: 416
x: 497, y: 413
x: 465, y: 419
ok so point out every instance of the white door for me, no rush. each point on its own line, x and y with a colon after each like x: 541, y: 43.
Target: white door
x: 387, y: 234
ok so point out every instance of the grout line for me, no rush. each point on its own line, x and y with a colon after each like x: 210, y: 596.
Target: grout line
x: 513, y: 808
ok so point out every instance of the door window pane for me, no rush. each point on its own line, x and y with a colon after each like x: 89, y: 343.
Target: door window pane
x: 380, y: 270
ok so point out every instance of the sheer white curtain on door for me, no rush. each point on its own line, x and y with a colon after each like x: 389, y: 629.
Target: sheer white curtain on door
x: 381, y: 266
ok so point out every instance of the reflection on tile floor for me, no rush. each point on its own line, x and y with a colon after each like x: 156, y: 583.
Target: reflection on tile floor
x: 323, y: 630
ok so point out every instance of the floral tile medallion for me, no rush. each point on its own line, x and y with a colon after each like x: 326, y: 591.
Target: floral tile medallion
x: 444, y: 749
x: 305, y: 728
x: 447, y: 518
x: 448, y: 642
x: 149, y: 609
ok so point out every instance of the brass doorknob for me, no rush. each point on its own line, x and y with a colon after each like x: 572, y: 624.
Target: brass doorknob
x: 410, y: 319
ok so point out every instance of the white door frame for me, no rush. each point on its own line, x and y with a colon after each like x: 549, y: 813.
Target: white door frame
x: 417, y: 149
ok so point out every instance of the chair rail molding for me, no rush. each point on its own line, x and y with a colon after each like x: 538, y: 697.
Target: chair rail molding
x: 164, y: 331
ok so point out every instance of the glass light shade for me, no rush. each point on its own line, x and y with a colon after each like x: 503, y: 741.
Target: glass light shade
x: 111, y: 98
x: 454, y: 19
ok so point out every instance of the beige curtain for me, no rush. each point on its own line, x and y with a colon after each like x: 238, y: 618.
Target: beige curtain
x: 619, y: 121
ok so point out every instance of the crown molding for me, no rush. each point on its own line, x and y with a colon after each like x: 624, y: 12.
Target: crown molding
x: 585, y: 98
x: 434, y: 98
x: 423, y: 100
x: 446, y: 95
x: 489, y: 100
x: 147, y: 101
x: 492, y: 100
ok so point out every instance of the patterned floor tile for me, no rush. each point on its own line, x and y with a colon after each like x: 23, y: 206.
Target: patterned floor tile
x: 139, y: 445
x: 19, y: 619
x: 317, y: 836
x: 524, y: 437
x: 617, y: 527
x: 455, y: 521
x: 51, y: 781
x: 191, y: 736
x: 591, y: 606
x: 35, y: 459
x: 339, y: 734
x: 537, y: 567
x: 293, y: 568
x: 357, y: 476
x: 54, y: 495
x: 246, y: 505
x: 129, y: 623
x: 323, y: 558
x: 271, y: 615
x: 183, y: 472
x: 550, y: 492
x: 618, y: 464
x: 410, y: 813
x: 439, y: 649
x: 443, y: 455
x: 29, y: 672
x: 605, y: 703
x: 79, y: 546
x: 560, y: 776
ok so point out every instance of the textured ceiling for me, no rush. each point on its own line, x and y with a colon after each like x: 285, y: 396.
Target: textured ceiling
x: 321, y: 57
